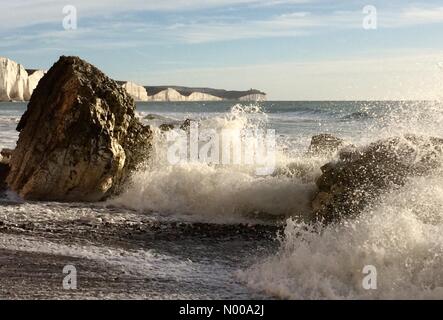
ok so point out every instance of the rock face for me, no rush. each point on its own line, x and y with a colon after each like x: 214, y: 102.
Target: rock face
x: 79, y: 138
x: 348, y: 185
x: 324, y: 144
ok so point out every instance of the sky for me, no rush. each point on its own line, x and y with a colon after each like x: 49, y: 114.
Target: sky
x: 291, y: 49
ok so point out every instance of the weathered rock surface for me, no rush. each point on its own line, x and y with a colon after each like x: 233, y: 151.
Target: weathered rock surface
x: 325, y: 144
x: 348, y: 185
x: 79, y: 137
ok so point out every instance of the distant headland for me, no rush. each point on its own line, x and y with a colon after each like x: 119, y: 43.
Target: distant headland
x: 18, y: 83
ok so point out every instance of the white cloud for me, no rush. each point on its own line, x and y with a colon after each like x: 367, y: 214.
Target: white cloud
x: 20, y: 13
x: 199, y: 31
x: 410, y: 16
x: 303, y: 23
x: 415, y: 15
x: 205, y: 29
x: 288, y: 25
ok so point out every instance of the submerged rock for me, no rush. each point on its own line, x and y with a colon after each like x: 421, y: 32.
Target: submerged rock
x: 349, y: 184
x: 166, y: 127
x: 79, y: 137
x: 5, y: 155
x: 324, y: 144
x: 186, y: 125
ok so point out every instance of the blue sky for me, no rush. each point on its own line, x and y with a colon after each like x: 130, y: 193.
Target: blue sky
x: 292, y: 49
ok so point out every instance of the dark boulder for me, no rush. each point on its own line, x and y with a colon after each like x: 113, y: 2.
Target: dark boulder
x: 166, y: 127
x: 186, y: 125
x: 360, y: 175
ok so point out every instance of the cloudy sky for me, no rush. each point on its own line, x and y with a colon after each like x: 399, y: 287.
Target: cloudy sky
x: 292, y: 49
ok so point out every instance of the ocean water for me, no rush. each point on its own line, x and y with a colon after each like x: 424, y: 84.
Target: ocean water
x: 196, y: 230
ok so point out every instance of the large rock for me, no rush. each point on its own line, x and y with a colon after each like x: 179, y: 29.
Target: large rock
x: 358, y: 177
x: 79, y: 138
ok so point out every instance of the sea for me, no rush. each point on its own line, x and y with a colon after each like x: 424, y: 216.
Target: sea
x: 195, y: 230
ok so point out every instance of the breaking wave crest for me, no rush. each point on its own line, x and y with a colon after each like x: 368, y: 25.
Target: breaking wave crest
x: 401, y: 236
x: 224, y: 193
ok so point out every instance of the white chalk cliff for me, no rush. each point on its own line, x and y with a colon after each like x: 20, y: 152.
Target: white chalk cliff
x: 171, y: 94
x: 198, y: 96
x: 136, y: 91
x: 15, y: 83
x: 253, y: 97
x: 13, y: 80
x: 34, y: 77
x: 168, y: 94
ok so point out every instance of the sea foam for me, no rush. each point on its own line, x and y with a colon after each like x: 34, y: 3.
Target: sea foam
x: 401, y: 235
x: 223, y: 193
